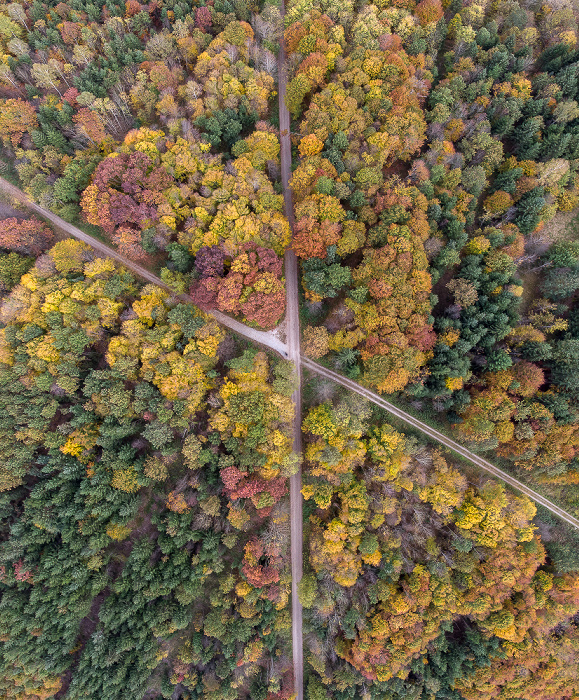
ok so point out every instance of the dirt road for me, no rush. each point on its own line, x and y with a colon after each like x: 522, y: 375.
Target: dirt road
x: 293, y: 342
x: 441, y: 438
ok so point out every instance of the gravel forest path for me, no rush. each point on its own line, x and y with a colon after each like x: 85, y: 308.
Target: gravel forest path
x: 294, y: 354
x: 261, y: 337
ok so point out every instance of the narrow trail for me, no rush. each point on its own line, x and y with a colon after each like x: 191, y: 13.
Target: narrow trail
x: 294, y: 354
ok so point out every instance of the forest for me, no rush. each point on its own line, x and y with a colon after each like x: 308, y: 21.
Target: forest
x: 424, y: 582
x: 146, y: 452
x: 436, y: 194
x: 145, y: 461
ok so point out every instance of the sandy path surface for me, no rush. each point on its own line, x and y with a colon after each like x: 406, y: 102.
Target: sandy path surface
x: 293, y: 343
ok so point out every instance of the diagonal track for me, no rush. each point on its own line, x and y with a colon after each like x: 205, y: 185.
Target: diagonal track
x: 260, y: 337
x: 441, y: 438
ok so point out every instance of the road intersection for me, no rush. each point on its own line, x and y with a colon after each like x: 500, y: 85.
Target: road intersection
x: 291, y: 350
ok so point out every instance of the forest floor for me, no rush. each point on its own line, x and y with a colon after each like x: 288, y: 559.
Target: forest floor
x: 564, y: 226
x: 7, y: 212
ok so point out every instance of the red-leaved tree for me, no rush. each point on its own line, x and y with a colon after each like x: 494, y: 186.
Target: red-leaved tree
x: 28, y: 237
x: 125, y: 189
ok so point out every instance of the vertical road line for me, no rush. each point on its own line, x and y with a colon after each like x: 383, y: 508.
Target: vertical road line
x: 293, y: 344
